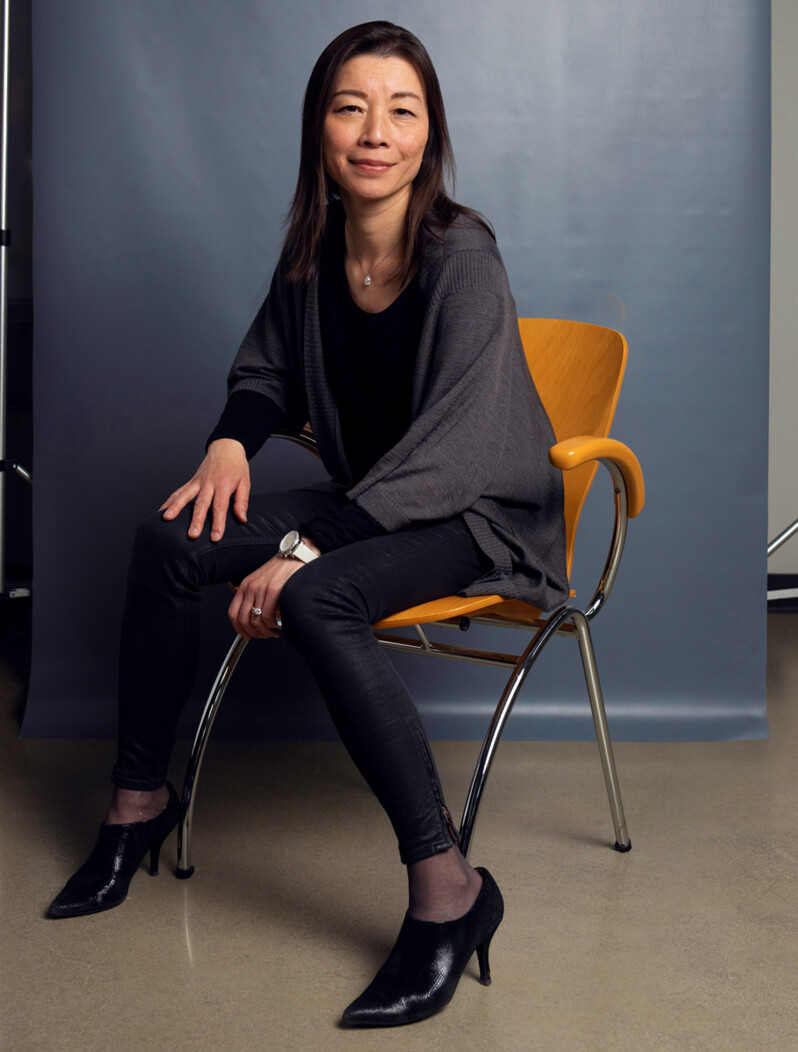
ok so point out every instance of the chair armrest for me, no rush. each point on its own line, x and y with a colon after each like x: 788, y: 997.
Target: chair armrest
x: 305, y: 438
x: 573, y: 452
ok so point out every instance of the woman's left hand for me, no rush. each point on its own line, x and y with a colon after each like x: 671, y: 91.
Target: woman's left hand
x: 261, y: 591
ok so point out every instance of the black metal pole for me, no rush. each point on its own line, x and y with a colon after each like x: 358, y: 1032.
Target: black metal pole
x: 5, y: 239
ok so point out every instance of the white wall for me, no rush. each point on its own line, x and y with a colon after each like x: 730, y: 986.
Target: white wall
x: 783, y: 473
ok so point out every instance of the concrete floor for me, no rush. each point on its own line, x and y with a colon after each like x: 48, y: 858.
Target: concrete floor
x: 688, y: 942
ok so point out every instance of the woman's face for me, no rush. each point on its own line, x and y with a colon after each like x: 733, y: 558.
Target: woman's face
x: 375, y: 130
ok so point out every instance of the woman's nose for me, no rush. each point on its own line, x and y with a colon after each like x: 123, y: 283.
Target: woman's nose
x: 374, y: 130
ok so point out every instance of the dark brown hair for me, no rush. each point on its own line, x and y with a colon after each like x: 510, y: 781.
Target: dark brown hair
x: 429, y: 202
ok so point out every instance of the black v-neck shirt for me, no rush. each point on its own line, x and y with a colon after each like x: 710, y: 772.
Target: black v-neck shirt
x: 369, y: 358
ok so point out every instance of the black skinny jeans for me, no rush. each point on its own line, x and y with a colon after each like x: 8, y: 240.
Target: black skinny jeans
x: 327, y: 609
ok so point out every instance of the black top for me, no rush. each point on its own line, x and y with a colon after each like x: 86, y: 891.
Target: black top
x: 369, y: 360
x: 249, y: 417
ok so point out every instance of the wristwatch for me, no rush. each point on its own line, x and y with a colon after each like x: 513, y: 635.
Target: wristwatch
x: 292, y: 544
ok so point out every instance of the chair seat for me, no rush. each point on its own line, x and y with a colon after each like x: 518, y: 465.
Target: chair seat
x: 452, y: 607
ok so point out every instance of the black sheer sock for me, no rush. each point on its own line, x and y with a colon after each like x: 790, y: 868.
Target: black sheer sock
x: 135, y: 805
x: 442, y: 887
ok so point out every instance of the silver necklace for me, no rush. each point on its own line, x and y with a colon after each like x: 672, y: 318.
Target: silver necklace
x: 367, y: 280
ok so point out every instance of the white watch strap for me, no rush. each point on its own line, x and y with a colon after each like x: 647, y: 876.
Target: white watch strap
x: 301, y: 551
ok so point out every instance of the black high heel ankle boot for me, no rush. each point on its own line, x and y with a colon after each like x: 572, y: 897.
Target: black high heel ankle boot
x: 102, y: 881
x: 424, y: 967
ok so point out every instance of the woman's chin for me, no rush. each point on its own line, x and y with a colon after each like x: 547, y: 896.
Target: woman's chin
x: 372, y: 195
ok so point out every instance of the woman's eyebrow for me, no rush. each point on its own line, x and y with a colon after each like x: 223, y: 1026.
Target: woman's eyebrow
x: 362, y: 94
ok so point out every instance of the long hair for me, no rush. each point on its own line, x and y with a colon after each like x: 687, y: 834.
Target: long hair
x: 429, y: 201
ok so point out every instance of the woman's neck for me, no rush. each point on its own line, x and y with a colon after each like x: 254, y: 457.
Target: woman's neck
x: 375, y: 231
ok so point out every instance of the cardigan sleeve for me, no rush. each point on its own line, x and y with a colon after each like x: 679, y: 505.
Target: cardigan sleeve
x: 459, y: 446
x: 268, y: 361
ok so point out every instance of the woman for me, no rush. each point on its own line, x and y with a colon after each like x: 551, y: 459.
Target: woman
x: 389, y: 325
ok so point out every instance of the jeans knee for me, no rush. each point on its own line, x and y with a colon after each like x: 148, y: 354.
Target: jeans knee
x: 160, y: 548
x: 311, y: 602
x: 297, y: 601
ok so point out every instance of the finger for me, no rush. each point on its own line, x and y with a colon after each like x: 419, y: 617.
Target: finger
x: 258, y: 630
x: 270, y: 602
x: 247, y: 620
x: 168, y: 501
x: 259, y: 627
x: 270, y: 620
x: 218, y: 517
x: 240, y: 628
x: 201, y: 505
x: 265, y: 632
x: 255, y: 615
x: 244, y: 599
x: 234, y: 608
x: 241, y: 502
x: 179, y: 499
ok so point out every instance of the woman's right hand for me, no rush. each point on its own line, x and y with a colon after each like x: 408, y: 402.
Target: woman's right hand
x: 224, y: 473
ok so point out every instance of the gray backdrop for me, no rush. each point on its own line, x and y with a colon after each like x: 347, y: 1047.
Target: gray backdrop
x: 621, y: 149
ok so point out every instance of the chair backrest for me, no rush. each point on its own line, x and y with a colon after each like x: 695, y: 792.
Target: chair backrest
x: 578, y: 370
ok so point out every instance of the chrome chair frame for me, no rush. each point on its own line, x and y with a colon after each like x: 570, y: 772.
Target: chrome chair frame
x: 567, y: 620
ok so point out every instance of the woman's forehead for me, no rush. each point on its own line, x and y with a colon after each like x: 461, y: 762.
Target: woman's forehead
x: 376, y: 74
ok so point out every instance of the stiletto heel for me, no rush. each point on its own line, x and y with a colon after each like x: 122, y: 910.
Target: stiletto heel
x: 155, y: 854
x: 482, y: 957
x: 424, y: 967
x: 102, y: 881
x: 155, y: 850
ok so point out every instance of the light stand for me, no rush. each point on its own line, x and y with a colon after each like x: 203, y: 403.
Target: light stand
x: 775, y: 544
x: 6, y: 464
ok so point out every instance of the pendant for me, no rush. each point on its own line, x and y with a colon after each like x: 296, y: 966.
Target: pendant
x: 367, y: 280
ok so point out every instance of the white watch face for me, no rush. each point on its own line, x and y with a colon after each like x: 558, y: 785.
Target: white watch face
x: 291, y: 540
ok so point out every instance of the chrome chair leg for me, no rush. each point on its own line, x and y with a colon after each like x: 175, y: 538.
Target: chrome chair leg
x: 622, y: 841
x: 487, y: 752
x: 184, y: 867
x: 497, y: 724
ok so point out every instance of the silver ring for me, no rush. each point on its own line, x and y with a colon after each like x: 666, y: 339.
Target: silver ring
x: 256, y: 611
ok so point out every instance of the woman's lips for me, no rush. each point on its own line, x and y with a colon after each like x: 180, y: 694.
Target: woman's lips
x: 371, y: 166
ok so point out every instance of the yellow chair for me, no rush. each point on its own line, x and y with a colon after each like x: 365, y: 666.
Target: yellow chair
x: 578, y: 370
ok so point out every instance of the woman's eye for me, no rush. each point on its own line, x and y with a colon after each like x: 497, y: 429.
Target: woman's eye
x: 403, y: 113
x: 351, y: 108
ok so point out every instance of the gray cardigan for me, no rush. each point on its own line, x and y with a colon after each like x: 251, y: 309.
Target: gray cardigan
x: 479, y: 437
